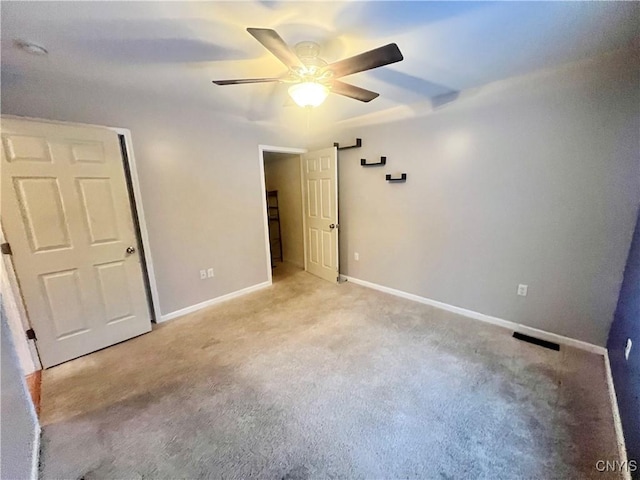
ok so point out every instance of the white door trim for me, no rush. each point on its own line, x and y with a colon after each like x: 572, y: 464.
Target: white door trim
x: 17, y: 318
x: 137, y: 195
x: 142, y: 222
x: 263, y: 183
x: 304, y: 217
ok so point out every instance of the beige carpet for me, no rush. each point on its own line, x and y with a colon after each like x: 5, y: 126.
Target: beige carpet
x: 307, y: 379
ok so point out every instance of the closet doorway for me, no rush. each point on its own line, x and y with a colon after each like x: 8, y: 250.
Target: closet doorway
x: 283, y: 194
x: 300, y: 202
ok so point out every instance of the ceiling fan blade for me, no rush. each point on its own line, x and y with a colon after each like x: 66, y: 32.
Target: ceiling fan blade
x: 240, y: 81
x: 276, y: 45
x: 377, y: 57
x: 352, y: 91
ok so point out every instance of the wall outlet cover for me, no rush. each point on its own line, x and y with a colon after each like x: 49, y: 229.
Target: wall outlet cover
x: 210, y: 272
x: 356, y: 256
x: 522, y: 290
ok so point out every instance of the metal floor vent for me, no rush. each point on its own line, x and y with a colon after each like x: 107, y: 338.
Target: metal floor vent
x: 536, y: 341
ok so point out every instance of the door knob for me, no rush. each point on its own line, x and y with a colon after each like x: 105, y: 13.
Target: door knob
x: 130, y: 250
x: 332, y: 226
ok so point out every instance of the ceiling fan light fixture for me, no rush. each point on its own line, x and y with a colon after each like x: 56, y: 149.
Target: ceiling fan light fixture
x: 308, y: 94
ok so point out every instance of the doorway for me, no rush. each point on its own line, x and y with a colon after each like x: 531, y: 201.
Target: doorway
x: 301, y: 209
x: 283, y: 194
x: 74, y: 244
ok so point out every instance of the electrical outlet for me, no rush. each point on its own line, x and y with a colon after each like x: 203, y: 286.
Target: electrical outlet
x: 627, y: 349
x: 210, y: 272
x: 356, y: 256
x: 203, y: 274
x: 522, y: 290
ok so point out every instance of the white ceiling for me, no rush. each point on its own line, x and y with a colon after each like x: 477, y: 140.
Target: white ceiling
x: 175, y: 49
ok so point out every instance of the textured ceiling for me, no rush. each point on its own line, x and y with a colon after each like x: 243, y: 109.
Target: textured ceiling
x: 174, y: 49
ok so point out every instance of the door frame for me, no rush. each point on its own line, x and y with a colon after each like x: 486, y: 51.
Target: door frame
x: 17, y: 320
x: 136, y: 195
x: 143, y: 238
x: 263, y: 186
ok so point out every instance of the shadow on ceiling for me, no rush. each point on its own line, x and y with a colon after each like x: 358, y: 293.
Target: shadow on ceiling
x: 417, y: 85
x: 162, y: 50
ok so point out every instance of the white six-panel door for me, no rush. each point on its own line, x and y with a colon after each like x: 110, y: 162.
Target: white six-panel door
x: 66, y: 214
x: 320, y: 198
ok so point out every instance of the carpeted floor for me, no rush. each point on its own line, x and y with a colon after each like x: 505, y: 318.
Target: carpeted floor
x: 311, y: 380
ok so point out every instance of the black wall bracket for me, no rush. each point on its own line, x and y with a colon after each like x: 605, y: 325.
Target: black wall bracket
x: 383, y: 161
x: 403, y: 178
x: 357, y: 145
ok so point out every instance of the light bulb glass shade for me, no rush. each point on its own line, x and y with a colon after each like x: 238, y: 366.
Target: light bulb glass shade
x: 308, y: 94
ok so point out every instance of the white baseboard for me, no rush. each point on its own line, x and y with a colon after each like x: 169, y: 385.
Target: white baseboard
x: 35, y: 455
x: 213, y: 301
x: 622, y: 448
x: 534, y: 332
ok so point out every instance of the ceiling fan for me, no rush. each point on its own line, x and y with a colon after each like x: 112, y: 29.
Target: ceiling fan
x: 311, y: 77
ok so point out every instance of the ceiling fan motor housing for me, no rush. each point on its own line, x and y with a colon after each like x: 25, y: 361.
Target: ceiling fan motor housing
x: 308, y: 52
x: 307, y: 49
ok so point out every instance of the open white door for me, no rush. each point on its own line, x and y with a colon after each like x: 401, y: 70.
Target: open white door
x: 320, y: 198
x: 67, y: 217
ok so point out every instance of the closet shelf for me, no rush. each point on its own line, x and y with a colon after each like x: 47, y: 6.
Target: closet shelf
x: 273, y: 214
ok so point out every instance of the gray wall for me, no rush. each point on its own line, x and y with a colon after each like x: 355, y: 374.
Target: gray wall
x: 200, y: 181
x: 533, y: 180
x: 18, y: 429
x: 282, y: 173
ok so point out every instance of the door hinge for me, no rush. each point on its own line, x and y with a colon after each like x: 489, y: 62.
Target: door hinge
x: 5, y: 248
x: 31, y: 334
